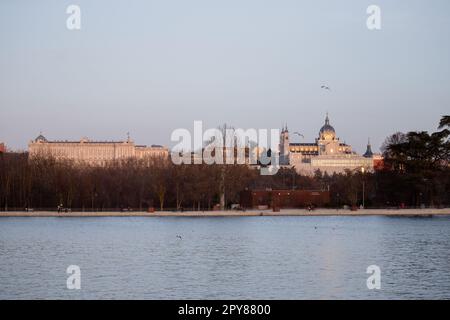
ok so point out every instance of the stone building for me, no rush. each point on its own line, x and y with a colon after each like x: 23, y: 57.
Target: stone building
x: 94, y: 152
x: 327, y: 153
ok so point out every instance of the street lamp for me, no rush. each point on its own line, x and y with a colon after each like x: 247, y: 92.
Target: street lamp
x: 363, y: 186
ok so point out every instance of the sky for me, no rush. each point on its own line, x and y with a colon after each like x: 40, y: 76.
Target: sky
x: 150, y: 67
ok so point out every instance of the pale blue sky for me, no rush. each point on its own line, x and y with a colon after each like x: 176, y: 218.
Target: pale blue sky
x: 149, y: 67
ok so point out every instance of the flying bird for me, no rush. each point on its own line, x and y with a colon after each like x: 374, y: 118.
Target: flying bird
x: 179, y: 237
x: 326, y: 87
x: 299, y: 134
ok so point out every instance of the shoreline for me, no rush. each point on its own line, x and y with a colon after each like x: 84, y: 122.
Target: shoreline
x: 230, y: 213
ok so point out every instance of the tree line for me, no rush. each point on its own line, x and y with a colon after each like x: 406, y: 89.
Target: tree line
x: 416, y: 172
x: 45, y: 183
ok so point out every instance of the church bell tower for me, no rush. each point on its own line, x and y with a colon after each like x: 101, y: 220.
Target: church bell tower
x: 284, y: 146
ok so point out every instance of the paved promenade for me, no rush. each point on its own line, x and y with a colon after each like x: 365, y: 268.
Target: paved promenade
x: 230, y: 213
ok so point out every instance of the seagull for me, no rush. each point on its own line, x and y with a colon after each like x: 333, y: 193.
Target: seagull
x: 299, y: 134
x: 326, y: 87
x: 179, y: 237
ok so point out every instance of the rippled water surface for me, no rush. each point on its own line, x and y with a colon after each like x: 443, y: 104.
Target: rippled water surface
x: 225, y: 258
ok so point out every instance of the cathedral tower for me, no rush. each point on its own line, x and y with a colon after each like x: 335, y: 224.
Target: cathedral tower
x: 284, y: 146
x: 369, y: 153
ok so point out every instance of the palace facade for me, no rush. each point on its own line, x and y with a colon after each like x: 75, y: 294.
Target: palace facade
x: 327, y: 154
x: 94, y: 152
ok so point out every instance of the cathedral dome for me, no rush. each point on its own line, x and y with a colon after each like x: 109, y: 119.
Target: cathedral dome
x: 327, y: 131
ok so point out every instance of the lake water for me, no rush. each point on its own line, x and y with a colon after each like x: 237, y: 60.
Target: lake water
x: 225, y: 258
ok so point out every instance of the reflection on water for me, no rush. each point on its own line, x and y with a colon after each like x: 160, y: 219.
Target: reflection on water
x: 225, y: 258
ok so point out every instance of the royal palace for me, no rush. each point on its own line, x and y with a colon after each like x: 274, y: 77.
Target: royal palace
x: 94, y: 152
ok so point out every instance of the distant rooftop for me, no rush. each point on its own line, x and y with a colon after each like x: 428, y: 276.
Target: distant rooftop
x: 84, y: 140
